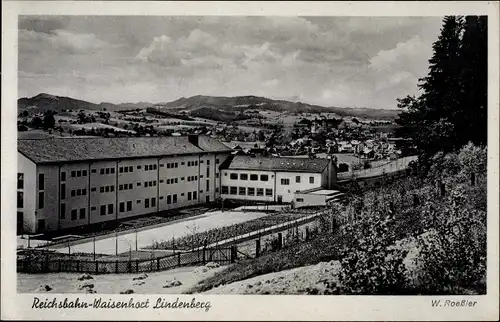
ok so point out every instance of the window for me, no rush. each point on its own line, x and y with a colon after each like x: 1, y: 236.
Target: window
x: 73, y: 174
x: 125, y: 169
x: 103, y: 210
x: 20, y: 199
x: 161, y: 181
x: 233, y: 190
x: 216, y: 175
x: 78, y: 192
x: 62, y: 211
x: 254, y: 177
x: 189, y: 178
x: 131, y: 168
x: 146, y: 203
x: 216, y: 189
x: 182, y: 163
x: 111, y: 188
x: 63, y: 176
x: 216, y: 161
x: 233, y: 176
x: 138, y: 201
x: 182, y: 179
x: 102, y: 171
x: 84, y: 173
x: 82, y: 213
x: 93, y: 171
x: 84, y: 192
x: 101, y: 189
x: 269, y: 192
x: 299, y: 199
x: 78, y: 173
x: 208, y: 185
x: 194, y: 195
x: 73, y: 193
x: 120, y: 170
x: 225, y: 190
x: 242, y: 191
x: 161, y: 165
x: 41, y: 200
x: 169, y: 200
x: 110, y: 208
x: 208, y: 162
x: 122, y: 206
x: 176, y: 181
x: 168, y: 181
x: 146, y: 167
x: 195, y: 163
x: 74, y: 214
x: 108, y: 170
x: 260, y: 191
x: 154, y: 183
x: 285, y: 182
x: 264, y: 177
x: 129, y: 205
x: 189, y: 195
x: 112, y: 170
x: 63, y: 191
x: 93, y: 189
x: 297, y: 179
x: 139, y: 167
x: 311, y: 179
x: 251, y: 191
x: 208, y: 172
x: 139, y: 184
x: 201, y: 161
x: 41, y: 181
x: 120, y: 187
x: 243, y: 176
x: 174, y: 198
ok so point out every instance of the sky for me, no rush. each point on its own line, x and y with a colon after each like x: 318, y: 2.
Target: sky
x: 330, y: 61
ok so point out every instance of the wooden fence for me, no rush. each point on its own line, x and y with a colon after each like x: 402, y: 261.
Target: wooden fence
x: 199, y: 257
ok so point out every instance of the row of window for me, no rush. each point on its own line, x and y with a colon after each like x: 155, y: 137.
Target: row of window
x: 75, y: 213
x: 244, y: 191
x: 192, y: 178
x: 74, y: 174
x: 173, y: 180
x: 263, y: 177
x: 192, y: 196
x: 148, y: 167
x: 244, y: 176
x: 192, y: 163
x: 104, y: 170
x: 78, y: 192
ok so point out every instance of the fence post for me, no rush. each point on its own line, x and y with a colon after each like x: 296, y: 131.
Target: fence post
x: 307, y: 233
x: 179, y: 259
x: 280, y: 240
x: 78, y: 266
x: 257, y: 248
x: 443, y: 189
x: 416, y: 202
x: 234, y: 252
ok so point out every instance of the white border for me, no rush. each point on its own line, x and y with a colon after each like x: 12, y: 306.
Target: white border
x: 225, y: 307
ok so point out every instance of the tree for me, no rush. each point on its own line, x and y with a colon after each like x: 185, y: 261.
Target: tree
x: 452, y: 109
x: 472, y: 118
x: 36, y: 122
x: 48, y: 120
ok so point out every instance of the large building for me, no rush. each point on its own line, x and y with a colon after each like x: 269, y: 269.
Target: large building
x: 269, y: 179
x: 72, y: 182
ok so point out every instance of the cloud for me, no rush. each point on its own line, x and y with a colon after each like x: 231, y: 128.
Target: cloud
x: 342, y: 61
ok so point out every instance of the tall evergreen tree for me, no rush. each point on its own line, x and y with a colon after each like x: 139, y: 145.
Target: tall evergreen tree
x: 452, y: 109
x: 471, y: 119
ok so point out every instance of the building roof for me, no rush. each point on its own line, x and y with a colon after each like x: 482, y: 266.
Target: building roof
x: 244, y: 162
x: 82, y: 149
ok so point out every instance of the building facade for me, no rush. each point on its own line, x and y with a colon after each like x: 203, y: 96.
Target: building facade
x: 74, y: 182
x: 268, y: 179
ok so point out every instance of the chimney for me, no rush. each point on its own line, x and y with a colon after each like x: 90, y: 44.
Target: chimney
x: 193, y: 139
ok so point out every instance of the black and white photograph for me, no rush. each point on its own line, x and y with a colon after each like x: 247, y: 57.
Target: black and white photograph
x: 199, y: 155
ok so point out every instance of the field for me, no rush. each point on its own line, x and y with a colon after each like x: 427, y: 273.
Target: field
x: 198, y: 239
x: 148, y: 237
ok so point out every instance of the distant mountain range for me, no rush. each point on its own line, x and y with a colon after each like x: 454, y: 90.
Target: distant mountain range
x: 43, y: 102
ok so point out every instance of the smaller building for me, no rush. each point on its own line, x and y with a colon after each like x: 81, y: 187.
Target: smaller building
x: 273, y: 179
x: 317, y: 197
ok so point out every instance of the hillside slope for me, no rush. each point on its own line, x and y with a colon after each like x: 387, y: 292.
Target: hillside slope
x: 43, y: 102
